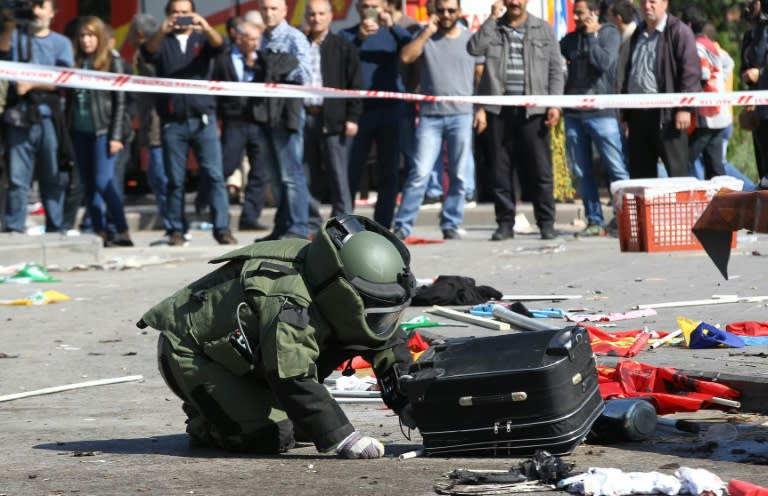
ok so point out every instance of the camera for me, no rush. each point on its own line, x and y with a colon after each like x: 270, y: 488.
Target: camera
x: 184, y: 21
x: 372, y: 13
x: 22, y: 11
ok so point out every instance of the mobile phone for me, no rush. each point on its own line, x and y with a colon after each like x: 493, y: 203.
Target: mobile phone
x: 183, y: 20
x: 371, y: 13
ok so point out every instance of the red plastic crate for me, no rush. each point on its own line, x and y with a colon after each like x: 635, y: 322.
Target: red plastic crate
x: 660, y: 221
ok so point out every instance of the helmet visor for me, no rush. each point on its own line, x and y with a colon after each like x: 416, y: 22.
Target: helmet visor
x: 383, y: 321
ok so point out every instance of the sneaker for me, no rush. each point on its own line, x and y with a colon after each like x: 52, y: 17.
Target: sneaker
x: 399, y: 233
x: 503, y: 233
x: 177, y: 239
x: 119, y: 240
x: 252, y: 226
x: 548, y: 232
x: 451, y: 234
x: 592, y: 230
x: 612, y: 229
x: 225, y: 238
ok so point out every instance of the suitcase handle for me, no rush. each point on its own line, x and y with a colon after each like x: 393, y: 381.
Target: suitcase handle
x: 565, y: 341
x: 493, y: 399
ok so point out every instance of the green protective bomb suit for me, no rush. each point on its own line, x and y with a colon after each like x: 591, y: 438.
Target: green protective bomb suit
x: 247, y: 346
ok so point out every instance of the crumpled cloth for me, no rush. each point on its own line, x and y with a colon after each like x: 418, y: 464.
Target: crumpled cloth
x: 614, y: 482
x: 599, y: 481
x: 454, y: 290
x: 698, y: 480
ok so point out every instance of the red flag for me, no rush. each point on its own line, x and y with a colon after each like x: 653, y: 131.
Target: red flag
x: 669, y: 390
x: 416, y: 344
x: 621, y: 344
x: 748, y: 328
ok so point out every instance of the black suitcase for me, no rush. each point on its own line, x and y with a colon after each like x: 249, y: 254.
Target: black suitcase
x: 507, y: 395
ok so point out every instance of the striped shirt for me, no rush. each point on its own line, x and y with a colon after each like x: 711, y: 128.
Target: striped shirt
x: 642, y: 74
x: 514, y: 83
x: 287, y: 39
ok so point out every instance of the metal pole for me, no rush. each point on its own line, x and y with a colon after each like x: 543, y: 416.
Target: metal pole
x: 518, y: 320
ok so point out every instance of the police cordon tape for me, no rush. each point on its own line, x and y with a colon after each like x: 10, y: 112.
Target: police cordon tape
x: 97, y: 80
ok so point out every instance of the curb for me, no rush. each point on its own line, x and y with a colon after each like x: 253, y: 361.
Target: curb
x: 145, y: 218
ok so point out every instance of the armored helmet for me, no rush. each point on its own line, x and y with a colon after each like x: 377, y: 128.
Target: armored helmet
x: 360, y: 278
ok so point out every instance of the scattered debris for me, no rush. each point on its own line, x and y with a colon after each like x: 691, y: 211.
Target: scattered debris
x: 68, y: 387
x: 540, y: 297
x: 83, y: 453
x: 609, y: 317
x: 715, y: 300
x: 614, y: 482
x: 38, y: 298
x: 29, y: 273
x: 411, y: 454
x: 538, y: 473
x: 471, y: 319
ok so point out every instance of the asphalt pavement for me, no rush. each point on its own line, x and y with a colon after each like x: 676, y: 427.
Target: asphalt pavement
x: 129, y: 438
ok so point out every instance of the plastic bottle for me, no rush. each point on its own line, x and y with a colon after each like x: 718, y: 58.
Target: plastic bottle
x: 201, y: 226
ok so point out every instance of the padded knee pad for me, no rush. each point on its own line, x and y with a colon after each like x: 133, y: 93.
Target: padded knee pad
x: 215, y: 427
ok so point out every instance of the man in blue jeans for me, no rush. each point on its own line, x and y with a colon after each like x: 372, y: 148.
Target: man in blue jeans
x: 184, y: 47
x: 379, y: 41
x: 32, y: 139
x: 591, y: 52
x: 283, y: 121
x: 446, y: 69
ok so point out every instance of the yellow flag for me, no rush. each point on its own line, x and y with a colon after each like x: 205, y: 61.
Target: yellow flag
x: 687, y: 326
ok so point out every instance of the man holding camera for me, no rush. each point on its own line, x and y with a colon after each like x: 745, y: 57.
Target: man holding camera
x: 184, y: 48
x: 379, y: 41
x: 33, y: 119
x: 591, y: 52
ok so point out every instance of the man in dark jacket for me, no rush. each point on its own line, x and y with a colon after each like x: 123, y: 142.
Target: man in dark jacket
x: 240, y: 131
x: 183, y: 48
x: 590, y: 52
x: 521, y: 58
x: 332, y: 122
x: 663, y: 59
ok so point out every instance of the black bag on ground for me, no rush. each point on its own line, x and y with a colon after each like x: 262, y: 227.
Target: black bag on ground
x: 454, y: 290
x: 507, y: 395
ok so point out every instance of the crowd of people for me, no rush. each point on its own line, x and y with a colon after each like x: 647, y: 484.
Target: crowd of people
x: 303, y: 152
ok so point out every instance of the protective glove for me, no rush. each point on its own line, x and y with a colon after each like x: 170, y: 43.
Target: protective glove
x: 357, y: 445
